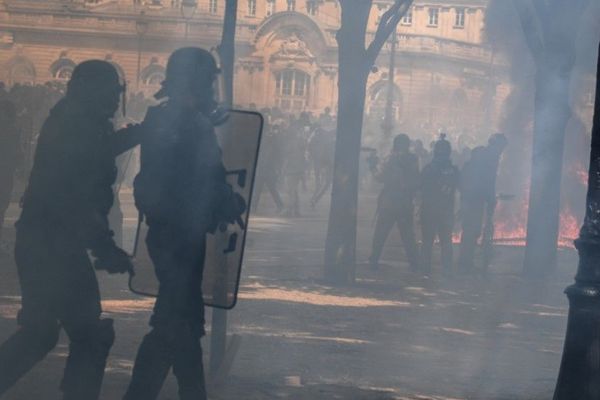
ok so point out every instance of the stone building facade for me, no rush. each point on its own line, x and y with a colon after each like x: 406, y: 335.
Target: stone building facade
x: 446, y: 76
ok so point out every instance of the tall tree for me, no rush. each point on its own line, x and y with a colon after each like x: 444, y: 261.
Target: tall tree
x: 226, y: 50
x: 355, y: 62
x: 550, y: 28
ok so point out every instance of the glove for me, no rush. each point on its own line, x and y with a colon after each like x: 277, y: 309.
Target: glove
x: 238, y: 207
x: 114, y: 261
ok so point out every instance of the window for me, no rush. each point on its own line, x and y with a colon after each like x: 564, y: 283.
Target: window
x: 292, y: 89
x: 459, y: 21
x: 311, y: 7
x: 408, y: 17
x: 252, y: 8
x: 154, y: 78
x: 270, y: 7
x: 63, y: 73
x: 377, y: 101
x: 434, y: 16
x: 22, y: 73
x: 212, y: 6
x: 291, y: 5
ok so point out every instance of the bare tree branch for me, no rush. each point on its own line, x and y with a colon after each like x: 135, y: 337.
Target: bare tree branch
x: 531, y: 26
x: 387, y: 25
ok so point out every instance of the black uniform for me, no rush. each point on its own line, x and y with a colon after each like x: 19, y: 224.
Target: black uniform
x: 477, y: 190
x: 439, y: 182
x: 64, y: 215
x: 400, y: 177
x: 478, y: 194
x: 182, y: 191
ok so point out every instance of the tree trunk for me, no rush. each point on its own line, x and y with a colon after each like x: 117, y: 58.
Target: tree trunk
x: 226, y: 50
x: 552, y: 114
x: 340, y: 246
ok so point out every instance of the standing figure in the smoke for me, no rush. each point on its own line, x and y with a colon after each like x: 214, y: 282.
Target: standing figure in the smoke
x: 270, y: 167
x: 478, y: 200
x: 10, y: 156
x: 64, y: 215
x: 295, y: 166
x: 400, y: 177
x: 496, y: 146
x: 474, y: 194
x: 182, y: 191
x: 439, y: 182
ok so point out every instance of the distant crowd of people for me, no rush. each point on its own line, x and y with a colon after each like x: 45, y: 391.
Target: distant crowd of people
x: 294, y: 150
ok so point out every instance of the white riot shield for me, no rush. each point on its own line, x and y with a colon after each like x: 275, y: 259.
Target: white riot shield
x: 239, y: 138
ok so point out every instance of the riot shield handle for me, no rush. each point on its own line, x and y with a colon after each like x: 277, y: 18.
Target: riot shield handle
x: 241, y: 174
x: 232, y: 243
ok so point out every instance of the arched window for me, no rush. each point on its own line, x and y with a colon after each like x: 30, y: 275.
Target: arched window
x: 153, y: 74
x: 64, y: 74
x: 378, y: 98
x: 21, y: 71
x: 154, y: 79
x: 292, y: 89
x: 62, y: 69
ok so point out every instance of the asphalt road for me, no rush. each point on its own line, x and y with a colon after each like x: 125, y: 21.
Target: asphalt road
x: 392, y: 335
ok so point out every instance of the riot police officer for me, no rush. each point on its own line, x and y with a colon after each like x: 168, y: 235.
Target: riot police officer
x: 439, y: 182
x: 400, y: 176
x: 475, y: 192
x: 478, y: 201
x: 64, y: 215
x: 182, y: 191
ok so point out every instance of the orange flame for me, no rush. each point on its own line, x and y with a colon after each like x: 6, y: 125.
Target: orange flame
x: 511, y: 228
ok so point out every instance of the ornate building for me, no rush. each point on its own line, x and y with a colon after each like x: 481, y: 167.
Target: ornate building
x: 446, y: 76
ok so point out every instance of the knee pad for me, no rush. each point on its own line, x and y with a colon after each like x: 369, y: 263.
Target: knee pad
x: 88, y: 352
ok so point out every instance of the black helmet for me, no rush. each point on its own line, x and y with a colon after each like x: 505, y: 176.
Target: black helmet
x: 91, y: 77
x: 442, y: 149
x: 401, y: 142
x: 185, y: 66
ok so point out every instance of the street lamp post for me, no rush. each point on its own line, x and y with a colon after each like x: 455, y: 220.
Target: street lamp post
x: 141, y: 28
x: 579, y: 376
x: 188, y: 8
x: 390, y: 117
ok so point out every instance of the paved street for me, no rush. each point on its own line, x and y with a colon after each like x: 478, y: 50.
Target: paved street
x: 392, y: 335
